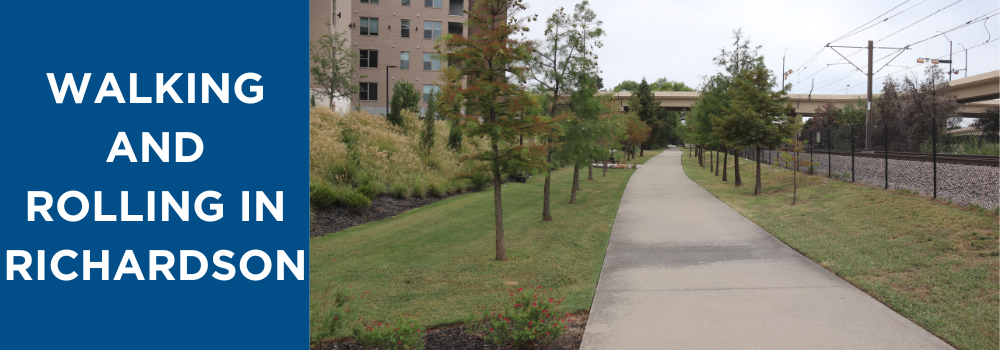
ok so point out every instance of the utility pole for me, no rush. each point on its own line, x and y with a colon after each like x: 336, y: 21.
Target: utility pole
x: 868, y: 114
x: 871, y: 48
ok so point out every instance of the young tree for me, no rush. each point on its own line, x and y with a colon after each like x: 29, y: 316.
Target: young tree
x: 494, y: 60
x: 405, y: 97
x: 757, y: 116
x: 796, y: 162
x: 430, y: 117
x: 583, y: 131
x: 636, y: 132
x: 646, y: 108
x: 553, y: 63
x: 333, y: 65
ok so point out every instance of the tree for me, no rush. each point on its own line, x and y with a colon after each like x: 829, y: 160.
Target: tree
x: 405, y: 97
x: 627, y: 85
x: 796, y: 162
x: 495, y: 60
x: 636, y: 132
x: 553, y: 63
x: 333, y: 65
x: 430, y: 117
x: 757, y: 116
x: 583, y: 131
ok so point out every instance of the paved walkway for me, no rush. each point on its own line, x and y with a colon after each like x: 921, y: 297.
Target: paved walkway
x: 685, y: 271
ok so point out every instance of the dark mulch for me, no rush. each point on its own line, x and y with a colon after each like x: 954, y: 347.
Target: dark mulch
x: 335, y: 219
x: 455, y: 338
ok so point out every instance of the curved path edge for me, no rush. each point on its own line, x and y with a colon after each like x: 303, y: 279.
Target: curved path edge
x: 683, y: 270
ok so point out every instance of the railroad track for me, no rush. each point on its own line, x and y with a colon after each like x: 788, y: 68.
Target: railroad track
x: 920, y: 157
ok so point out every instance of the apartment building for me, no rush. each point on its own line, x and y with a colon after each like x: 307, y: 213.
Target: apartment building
x: 394, y: 37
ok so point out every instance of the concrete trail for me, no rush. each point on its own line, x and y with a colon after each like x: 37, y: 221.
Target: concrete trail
x: 685, y: 271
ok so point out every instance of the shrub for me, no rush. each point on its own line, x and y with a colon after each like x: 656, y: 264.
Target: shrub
x: 435, y: 190
x: 479, y: 181
x: 325, y: 196
x: 322, y: 195
x: 405, y: 335
x: 530, y: 320
x: 399, y: 190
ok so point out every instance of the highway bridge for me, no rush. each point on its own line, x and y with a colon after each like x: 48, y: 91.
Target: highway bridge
x: 974, y: 94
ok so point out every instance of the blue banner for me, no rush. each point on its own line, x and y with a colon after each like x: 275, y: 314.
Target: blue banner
x: 155, y: 174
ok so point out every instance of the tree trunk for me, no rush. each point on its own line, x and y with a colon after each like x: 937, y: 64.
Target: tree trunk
x: 576, y: 184
x: 716, y: 162
x: 605, y: 168
x: 498, y: 205
x: 640, y: 150
x: 725, y: 164
x: 738, y: 181
x: 756, y: 189
x: 590, y: 171
x: 711, y: 161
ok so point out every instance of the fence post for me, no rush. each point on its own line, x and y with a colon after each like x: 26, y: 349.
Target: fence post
x: 829, y: 153
x: 934, y: 150
x: 885, y: 133
x: 812, y: 146
x: 852, y: 152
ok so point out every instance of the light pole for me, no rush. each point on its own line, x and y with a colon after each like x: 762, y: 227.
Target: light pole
x: 966, y: 69
x: 784, y: 74
x: 949, y: 54
x: 387, y: 89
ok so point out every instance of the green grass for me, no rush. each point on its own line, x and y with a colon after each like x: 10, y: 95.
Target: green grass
x: 434, y: 264
x: 932, y: 262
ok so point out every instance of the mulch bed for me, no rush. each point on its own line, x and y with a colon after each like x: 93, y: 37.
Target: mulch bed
x: 335, y: 219
x: 455, y: 338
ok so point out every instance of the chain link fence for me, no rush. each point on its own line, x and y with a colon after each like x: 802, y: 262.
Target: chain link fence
x: 954, y: 158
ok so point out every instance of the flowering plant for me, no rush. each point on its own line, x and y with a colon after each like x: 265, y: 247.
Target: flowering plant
x: 530, y: 319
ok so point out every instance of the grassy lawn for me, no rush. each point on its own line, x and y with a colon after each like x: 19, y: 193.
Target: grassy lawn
x: 932, y: 262
x: 434, y: 264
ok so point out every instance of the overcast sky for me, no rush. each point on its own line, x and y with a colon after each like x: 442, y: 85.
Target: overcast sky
x: 677, y: 39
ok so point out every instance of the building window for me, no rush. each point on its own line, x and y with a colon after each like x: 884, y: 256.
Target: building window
x: 428, y: 90
x: 406, y: 2
x: 404, y: 28
x: 333, y: 7
x: 455, y: 7
x: 432, y: 30
x: 432, y: 3
x: 368, y: 92
x: 369, y: 26
x: 369, y: 1
x: 404, y: 60
x: 431, y: 62
x: 369, y: 59
x: 455, y: 28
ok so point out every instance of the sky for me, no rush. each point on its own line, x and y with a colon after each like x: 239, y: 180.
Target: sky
x: 677, y: 39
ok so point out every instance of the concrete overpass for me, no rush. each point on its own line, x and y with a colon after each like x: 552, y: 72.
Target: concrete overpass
x: 974, y: 94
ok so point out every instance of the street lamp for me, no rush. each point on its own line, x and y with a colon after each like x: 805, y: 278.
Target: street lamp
x: 949, y: 54
x: 966, y: 69
x: 387, y: 89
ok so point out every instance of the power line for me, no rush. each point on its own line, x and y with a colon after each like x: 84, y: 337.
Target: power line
x: 919, y: 20
x: 887, y: 75
x: 983, y: 17
x: 851, y: 33
x: 856, y: 31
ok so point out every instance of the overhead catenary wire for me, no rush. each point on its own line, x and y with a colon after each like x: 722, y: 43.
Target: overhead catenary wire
x: 887, y: 75
x: 983, y: 17
x: 851, y: 33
